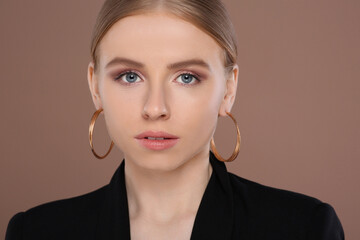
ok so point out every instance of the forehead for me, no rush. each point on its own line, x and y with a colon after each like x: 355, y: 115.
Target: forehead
x: 156, y: 37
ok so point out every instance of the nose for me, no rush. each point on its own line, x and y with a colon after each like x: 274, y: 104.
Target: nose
x: 155, y: 106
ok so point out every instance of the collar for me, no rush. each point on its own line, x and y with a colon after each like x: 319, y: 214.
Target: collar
x: 213, y: 221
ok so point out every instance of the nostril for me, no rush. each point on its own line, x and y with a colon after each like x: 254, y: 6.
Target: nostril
x: 155, y: 114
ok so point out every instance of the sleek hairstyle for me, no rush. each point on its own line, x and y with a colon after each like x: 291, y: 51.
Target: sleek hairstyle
x: 208, y: 15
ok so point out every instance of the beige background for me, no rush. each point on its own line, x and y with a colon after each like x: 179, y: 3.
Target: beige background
x: 297, y: 104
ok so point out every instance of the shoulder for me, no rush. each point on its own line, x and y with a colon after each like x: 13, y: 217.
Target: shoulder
x: 259, y: 194
x: 283, y: 211
x: 57, y: 217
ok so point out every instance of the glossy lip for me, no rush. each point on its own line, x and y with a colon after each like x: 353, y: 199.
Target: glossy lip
x: 155, y: 134
x: 153, y: 144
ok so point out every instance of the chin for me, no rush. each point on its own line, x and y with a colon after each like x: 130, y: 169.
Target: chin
x: 158, y: 161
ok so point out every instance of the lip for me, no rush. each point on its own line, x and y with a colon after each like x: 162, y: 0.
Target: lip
x: 153, y: 144
x: 156, y: 134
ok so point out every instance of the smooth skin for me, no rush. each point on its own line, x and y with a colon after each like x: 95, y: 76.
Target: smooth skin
x: 164, y: 187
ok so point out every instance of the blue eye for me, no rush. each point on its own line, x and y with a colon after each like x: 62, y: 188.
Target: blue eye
x: 128, y: 77
x: 187, y: 78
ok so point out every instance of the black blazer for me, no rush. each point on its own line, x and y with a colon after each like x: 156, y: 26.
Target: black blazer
x: 231, y: 208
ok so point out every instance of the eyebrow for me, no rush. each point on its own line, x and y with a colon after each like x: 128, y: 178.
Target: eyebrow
x: 186, y: 63
x: 182, y: 64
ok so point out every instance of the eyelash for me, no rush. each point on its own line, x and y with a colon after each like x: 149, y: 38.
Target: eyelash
x: 194, y: 75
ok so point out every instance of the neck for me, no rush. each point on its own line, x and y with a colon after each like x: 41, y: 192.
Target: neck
x: 163, y: 196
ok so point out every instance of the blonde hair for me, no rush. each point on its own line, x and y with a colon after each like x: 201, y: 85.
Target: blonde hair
x: 208, y: 15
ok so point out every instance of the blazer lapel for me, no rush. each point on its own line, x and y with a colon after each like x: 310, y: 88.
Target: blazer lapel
x: 113, y: 220
x: 215, y: 217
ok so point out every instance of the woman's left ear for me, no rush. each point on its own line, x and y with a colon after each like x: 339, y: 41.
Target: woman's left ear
x: 230, y: 91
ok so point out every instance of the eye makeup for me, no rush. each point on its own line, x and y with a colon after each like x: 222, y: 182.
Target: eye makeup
x: 131, y: 73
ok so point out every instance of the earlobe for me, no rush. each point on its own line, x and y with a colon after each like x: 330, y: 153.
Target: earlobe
x: 93, y: 86
x: 230, y: 92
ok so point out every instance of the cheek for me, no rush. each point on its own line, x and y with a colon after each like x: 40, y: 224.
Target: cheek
x: 120, y: 114
x: 197, y: 110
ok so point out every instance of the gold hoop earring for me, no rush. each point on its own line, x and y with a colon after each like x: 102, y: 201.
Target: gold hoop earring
x: 91, y: 129
x: 237, y: 147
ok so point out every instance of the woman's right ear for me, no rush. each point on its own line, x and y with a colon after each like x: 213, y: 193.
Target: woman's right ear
x: 94, y: 85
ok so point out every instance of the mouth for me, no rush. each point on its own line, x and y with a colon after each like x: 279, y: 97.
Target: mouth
x: 156, y: 135
x: 157, y: 140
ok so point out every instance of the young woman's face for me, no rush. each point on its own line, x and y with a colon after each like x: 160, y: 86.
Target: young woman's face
x: 157, y: 72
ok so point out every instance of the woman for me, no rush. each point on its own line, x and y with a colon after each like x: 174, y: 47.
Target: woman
x: 162, y: 72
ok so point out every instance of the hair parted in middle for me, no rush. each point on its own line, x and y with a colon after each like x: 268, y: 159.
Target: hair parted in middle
x: 208, y: 15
